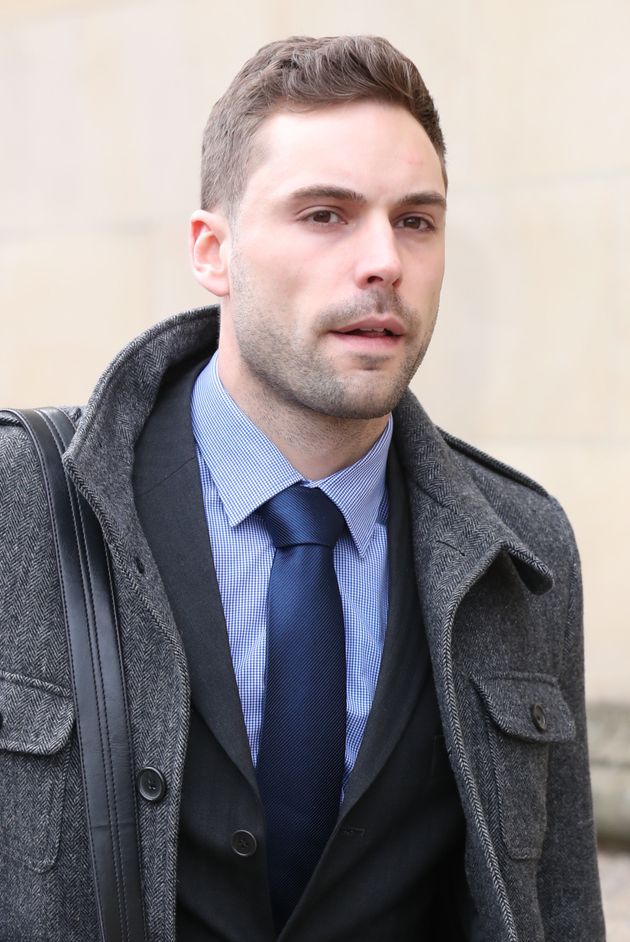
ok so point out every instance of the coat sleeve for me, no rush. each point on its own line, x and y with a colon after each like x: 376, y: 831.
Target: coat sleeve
x: 568, y: 881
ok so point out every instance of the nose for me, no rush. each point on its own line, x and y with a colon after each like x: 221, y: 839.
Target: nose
x: 378, y: 258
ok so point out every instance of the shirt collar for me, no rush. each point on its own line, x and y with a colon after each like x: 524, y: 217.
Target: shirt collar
x: 248, y: 469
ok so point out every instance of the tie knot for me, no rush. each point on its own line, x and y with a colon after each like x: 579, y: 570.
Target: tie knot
x: 300, y: 515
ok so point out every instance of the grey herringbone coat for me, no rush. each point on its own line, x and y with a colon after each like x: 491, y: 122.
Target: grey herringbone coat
x: 499, y: 584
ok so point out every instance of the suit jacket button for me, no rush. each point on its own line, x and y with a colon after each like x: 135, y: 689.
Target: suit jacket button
x: 539, y: 717
x: 244, y: 843
x: 151, y: 784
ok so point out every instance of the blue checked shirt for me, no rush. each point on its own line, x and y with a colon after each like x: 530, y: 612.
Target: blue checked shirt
x: 240, y: 470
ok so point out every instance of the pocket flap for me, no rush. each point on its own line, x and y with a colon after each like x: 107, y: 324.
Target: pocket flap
x: 37, y: 717
x: 527, y: 706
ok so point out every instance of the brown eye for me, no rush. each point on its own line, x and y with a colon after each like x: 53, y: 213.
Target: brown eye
x: 324, y: 216
x: 415, y: 222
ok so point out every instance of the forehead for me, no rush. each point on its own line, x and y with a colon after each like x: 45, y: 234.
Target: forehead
x: 369, y: 145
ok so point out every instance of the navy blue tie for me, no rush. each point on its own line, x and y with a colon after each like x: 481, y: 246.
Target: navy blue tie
x: 302, y: 744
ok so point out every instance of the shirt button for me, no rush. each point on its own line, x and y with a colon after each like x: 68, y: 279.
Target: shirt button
x: 244, y: 843
x: 539, y: 718
x: 151, y: 784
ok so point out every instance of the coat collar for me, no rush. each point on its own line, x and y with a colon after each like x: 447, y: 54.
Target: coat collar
x: 101, y: 455
x: 456, y: 530
x: 455, y: 526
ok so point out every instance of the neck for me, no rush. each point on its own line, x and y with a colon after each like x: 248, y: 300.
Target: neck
x: 315, y: 444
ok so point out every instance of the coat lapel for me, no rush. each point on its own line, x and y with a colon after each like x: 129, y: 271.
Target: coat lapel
x: 101, y: 457
x: 457, y: 536
x: 170, y: 506
x: 454, y: 535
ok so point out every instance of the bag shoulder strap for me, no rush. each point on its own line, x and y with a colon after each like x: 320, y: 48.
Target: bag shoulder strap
x: 98, y: 684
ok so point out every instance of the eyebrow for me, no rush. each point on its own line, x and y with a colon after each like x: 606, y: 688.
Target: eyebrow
x: 343, y: 194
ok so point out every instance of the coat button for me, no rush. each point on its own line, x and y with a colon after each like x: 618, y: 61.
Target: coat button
x: 244, y: 843
x: 151, y: 784
x: 539, y: 718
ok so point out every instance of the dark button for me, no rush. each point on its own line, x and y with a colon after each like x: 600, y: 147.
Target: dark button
x: 151, y: 784
x: 139, y: 564
x: 1, y: 720
x: 244, y: 843
x: 539, y: 718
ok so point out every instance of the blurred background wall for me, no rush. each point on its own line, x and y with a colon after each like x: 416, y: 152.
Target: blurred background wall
x: 102, y: 107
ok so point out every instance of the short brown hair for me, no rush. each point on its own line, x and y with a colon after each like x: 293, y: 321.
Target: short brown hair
x: 302, y: 72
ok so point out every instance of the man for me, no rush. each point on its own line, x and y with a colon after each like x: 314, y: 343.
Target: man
x: 352, y: 644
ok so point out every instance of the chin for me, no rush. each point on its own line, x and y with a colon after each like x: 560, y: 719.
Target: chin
x: 368, y: 396
x: 361, y: 407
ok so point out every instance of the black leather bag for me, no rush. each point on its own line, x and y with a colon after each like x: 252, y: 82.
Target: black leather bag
x: 98, y: 685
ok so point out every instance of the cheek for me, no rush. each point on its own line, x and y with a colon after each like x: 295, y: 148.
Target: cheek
x: 427, y: 276
x: 281, y: 271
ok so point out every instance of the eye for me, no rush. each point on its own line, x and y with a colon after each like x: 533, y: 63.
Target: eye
x: 419, y: 223
x: 323, y: 217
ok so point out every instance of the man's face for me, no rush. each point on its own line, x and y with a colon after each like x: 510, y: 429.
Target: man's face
x: 336, y: 261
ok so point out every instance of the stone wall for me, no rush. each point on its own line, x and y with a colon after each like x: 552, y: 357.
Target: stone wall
x: 103, y: 104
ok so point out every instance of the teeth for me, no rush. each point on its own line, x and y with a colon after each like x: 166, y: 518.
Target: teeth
x: 371, y: 330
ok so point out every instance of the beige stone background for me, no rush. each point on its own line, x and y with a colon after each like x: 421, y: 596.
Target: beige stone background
x: 102, y: 105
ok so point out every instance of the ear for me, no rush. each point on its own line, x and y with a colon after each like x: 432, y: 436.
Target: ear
x: 209, y: 242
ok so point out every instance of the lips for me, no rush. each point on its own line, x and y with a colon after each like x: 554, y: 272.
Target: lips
x: 373, y: 327
x: 378, y: 338
x: 369, y: 331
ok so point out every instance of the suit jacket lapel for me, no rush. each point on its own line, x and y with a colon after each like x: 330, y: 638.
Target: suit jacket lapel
x: 170, y: 506
x: 405, y: 660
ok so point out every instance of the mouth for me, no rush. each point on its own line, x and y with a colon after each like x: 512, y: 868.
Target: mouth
x: 368, y: 341
x: 367, y: 332
x: 373, y: 329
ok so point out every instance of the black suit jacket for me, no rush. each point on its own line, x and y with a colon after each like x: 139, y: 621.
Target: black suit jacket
x: 401, y: 780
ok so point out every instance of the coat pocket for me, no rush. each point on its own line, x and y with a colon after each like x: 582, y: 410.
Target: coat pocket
x: 526, y: 715
x: 36, y: 722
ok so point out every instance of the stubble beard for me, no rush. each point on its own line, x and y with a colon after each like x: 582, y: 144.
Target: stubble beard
x: 296, y: 373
